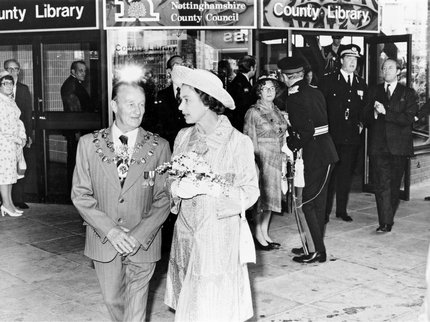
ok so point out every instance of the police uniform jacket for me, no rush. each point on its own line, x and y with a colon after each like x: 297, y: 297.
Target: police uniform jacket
x: 345, y: 105
x: 392, y: 132
x: 306, y: 111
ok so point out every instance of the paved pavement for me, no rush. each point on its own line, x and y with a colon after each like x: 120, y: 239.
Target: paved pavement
x: 368, y: 276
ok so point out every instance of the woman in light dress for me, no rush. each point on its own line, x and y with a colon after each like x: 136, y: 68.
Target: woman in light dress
x: 266, y: 125
x: 206, y: 280
x: 12, y: 140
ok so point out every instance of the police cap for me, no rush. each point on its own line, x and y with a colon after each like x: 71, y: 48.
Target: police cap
x: 350, y: 50
x: 291, y: 65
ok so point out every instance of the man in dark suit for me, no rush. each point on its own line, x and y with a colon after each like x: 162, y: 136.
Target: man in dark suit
x: 123, y: 202
x: 75, y: 99
x: 240, y: 89
x: 345, y: 94
x: 168, y: 119
x: 331, y: 54
x: 23, y: 99
x: 309, y: 131
x: 389, y: 117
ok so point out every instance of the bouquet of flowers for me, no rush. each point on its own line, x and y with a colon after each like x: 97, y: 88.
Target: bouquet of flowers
x: 191, y: 166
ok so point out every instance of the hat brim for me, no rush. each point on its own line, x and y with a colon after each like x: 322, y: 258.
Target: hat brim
x: 204, y: 81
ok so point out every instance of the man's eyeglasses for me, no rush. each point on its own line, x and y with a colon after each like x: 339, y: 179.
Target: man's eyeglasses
x: 13, y: 69
x: 5, y: 84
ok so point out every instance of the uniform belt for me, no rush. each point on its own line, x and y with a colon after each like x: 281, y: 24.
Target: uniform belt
x: 321, y: 130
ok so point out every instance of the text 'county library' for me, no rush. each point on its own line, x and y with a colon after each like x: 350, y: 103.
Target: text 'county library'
x: 45, y: 36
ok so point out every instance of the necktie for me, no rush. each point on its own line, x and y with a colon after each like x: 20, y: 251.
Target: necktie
x: 122, y: 164
x: 178, y: 94
x: 388, y: 92
x: 349, y: 80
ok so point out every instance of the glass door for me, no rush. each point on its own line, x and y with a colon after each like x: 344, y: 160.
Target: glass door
x: 377, y: 50
x: 45, y: 61
x: 60, y: 126
x: 22, y: 53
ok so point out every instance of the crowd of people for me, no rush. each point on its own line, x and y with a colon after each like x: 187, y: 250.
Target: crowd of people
x: 221, y: 146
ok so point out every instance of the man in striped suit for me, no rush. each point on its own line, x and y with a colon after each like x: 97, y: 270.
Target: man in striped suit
x: 123, y: 203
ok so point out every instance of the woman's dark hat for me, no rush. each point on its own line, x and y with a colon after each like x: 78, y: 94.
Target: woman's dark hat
x: 291, y: 65
x: 350, y: 50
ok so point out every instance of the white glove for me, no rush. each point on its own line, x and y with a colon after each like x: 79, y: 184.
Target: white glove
x: 210, y: 188
x: 185, y: 188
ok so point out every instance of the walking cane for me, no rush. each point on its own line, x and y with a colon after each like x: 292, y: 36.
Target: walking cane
x: 297, y: 215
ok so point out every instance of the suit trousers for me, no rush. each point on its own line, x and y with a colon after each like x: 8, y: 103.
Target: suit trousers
x: 341, y: 179
x: 314, y: 203
x: 387, y: 174
x: 125, y: 285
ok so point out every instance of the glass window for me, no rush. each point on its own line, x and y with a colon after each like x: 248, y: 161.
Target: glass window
x: 144, y: 54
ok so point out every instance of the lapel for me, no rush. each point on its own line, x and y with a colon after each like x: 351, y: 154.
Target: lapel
x: 135, y: 171
x: 108, y: 167
x: 395, y: 96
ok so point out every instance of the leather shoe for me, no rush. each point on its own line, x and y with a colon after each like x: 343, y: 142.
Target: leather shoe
x: 344, y: 217
x: 298, y: 251
x: 260, y: 246
x: 311, y: 258
x: 22, y: 205
x: 274, y: 245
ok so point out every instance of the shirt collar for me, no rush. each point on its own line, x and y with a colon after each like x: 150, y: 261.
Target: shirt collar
x: 392, y: 86
x: 131, y: 135
x: 345, y: 75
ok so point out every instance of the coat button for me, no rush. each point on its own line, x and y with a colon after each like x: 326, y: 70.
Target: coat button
x: 194, y: 203
x: 121, y: 200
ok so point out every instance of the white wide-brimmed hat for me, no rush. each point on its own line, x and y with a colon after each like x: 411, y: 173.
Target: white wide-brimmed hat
x: 204, y: 81
x: 5, y: 73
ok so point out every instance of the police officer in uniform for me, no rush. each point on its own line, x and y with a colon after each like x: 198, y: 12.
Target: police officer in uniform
x: 309, y: 131
x: 345, y: 95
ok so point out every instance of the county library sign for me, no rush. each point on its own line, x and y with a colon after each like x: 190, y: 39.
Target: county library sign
x: 328, y: 15
x: 46, y: 15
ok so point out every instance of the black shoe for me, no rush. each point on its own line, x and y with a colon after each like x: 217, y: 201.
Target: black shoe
x: 22, y: 205
x: 427, y: 198
x: 311, y: 258
x: 384, y: 229
x: 298, y: 251
x: 344, y: 216
x: 260, y: 246
x: 274, y: 245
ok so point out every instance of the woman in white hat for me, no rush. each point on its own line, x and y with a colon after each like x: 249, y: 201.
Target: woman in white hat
x: 266, y: 125
x: 206, y: 280
x: 12, y: 140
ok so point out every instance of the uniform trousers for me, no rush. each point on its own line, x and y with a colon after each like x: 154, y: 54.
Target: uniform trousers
x: 314, y: 203
x: 125, y: 285
x: 387, y: 174
x: 341, y: 179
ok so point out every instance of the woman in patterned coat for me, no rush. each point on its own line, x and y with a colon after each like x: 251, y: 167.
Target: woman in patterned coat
x: 12, y: 140
x: 206, y: 280
x: 266, y: 125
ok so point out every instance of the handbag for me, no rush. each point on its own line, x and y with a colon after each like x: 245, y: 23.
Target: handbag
x: 246, y: 243
x: 21, y: 166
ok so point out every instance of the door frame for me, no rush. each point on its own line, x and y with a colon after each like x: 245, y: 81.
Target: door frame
x: 43, y: 120
x: 370, y: 45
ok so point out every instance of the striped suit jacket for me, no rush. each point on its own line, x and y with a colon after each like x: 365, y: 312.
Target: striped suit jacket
x: 104, y: 204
